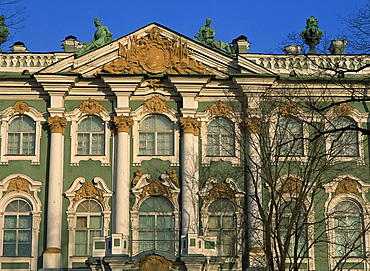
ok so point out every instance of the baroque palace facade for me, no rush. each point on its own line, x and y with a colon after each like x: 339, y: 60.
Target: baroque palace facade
x: 126, y: 157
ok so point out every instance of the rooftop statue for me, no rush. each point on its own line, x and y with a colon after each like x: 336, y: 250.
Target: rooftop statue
x: 312, y: 34
x: 206, y: 35
x: 102, y: 36
x: 4, y: 31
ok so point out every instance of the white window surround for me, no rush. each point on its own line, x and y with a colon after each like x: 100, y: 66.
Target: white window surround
x: 34, y: 201
x: 7, y: 116
x: 139, y: 199
x: 360, y: 119
x: 206, y: 118
x: 287, y: 197
x: 100, y: 184
x: 330, y: 204
x: 274, y: 122
x: 75, y: 117
x: 137, y: 116
x: 204, y: 213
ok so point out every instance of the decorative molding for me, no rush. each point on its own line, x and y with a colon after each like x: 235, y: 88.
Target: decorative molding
x: 91, y: 106
x: 190, y: 125
x: 88, y: 191
x: 18, y: 184
x: 155, y: 105
x: 288, y: 109
x: 347, y: 186
x: 154, y: 53
x: 220, y: 109
x: 155, y: 262
x: 254, y: 125
x: 343, y: 110
x: 291, y: 185
x: 154, y: 83
x: 122, y: 123
x: 53, y: 250
x: 20, y: 107
x: 57, y: 124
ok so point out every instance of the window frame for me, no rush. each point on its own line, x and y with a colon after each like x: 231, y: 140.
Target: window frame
x: 35, y: 204
x: 75, y: 117
x: 8, y: 115
x: 90, y: 134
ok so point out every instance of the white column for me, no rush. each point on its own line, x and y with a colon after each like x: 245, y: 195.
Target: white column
x: 53, y: 254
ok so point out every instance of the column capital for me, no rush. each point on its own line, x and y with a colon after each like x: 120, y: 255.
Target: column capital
x: 122, y: 123
x: 190, y: 125
x: 57, y: 124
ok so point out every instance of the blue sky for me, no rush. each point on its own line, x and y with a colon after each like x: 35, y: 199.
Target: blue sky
x: 264, y: 22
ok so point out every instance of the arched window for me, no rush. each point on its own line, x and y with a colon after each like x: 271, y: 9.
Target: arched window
x: 294, y: 228
x: 220, y: 138
x: 90, y: 136
x: 156, y: 225
x: 289, y: 137
x: 222, y: 223
x: 344, y: 143
x: 156, y: 136
x: 17, y: 229
x: 348, y: 227
x: 21, y: 136
x: 89, y: 223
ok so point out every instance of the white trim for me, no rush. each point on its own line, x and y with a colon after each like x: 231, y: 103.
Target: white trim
x: 72, y: 214
x: 75, y: 117
x: 6, y: 117
x: 138, y: 115
x: 35, y: 203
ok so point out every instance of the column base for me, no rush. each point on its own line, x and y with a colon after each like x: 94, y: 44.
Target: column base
x: 52, y: 259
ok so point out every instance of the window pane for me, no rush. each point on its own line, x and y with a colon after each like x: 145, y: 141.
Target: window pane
x: 9, y: 235
x: 83, y: 144
x: 81, y: 243
x: 85, y: 125
x: 14, y: 143
x: 81, y: 222
x: 28, y: 144
x: 146, y: 221
x: 25, y: 222
x: 27, y: 124
x: 10, y: 222
x: 97, y: 147
x: 156, y: 204
x: 214, y: 222
x: 95, y: 222
x: 164, y: 222
x: 213, y: 145
x: 97, y: 124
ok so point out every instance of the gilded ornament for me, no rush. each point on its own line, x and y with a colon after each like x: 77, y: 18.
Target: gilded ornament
x: 91, y: 106
x: 220, y: 109
x: 343, y: 110
x: 155, y: 105
x: 288, y: 109
x: 122, y: 123
x: 291, y: 185
x: 221, y: 191
x: 173, y: 176
x: 138, y: 174
x: 346, y: 186
x: 256, y: 250
x: 254, y: 125
x: 190, y: 125
x: 21, y: 107
x: 155, y: 262
x: 89, y: 191
x: 154, y: 83
x: 154, y: 53
x: 18, y: 184
x: 155, y: 189
x: 57, y: 124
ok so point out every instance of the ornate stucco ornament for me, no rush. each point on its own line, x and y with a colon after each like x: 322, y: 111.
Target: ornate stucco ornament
x: 343, y: 110
x: 288, y: 109
x: 254, y: 125
x: 155, y: 262
x: 154, y: 83
x: 155, y: 105
x: 91, y: 106
x: 122, y: 123
x: 18, y: 184
x: 20, y: 107
x: 154, y: 53
x: 138, y: 174
x: 220, y: 109
x: 89, y: 191
x: 57, y: 124
x: 312, y: 34
x: 155, y: 189
x: 190, y: 125
x: 291, y: 185
x: 347, y: 186
x: 173, y: 176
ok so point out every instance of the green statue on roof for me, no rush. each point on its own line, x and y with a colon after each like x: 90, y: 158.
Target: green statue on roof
x: 206, y: 35
x: 102, y: 36
x: 4, y: 31
x: 312, y: 34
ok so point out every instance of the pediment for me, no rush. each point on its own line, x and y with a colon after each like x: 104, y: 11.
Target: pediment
x: 155, y: 49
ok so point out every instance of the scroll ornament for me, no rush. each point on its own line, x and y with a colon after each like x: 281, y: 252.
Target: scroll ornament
x: 220, y: 109
x: 155, y: 105
x: 21, y: 107
x: 18, y: 184
x: 57, y: 124
x: 91, y: 106
x: 88, y: 191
